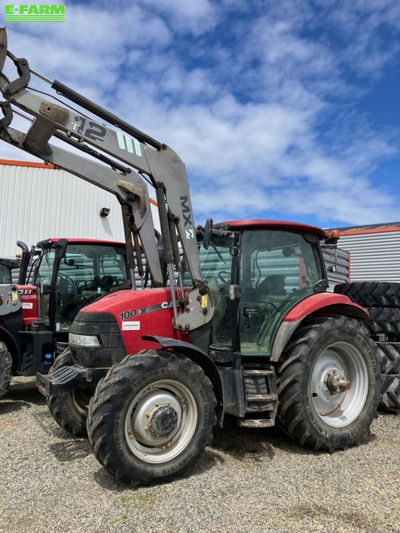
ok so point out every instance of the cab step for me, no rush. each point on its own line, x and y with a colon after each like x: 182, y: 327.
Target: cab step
x: 259, y: 372
x: 256, y: 423
x: 261, y: 397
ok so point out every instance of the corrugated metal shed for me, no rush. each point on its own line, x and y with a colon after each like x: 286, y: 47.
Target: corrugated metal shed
x: 38, y: 201
x: 374, y: 251
x: 336, y: 263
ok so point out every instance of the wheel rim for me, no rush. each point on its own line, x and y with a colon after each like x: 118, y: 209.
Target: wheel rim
x: 339, y: 384
x: 81, y: 399
x: 161, y: 421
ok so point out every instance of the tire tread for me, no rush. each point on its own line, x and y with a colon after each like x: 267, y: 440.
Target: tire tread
x: 106, y: 402
x: 292, y: 414
x: 5, y: 369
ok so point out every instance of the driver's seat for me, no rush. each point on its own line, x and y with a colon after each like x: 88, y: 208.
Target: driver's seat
x: 273, y: 285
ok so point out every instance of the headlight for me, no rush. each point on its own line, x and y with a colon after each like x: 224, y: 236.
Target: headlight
x: 87, y: 341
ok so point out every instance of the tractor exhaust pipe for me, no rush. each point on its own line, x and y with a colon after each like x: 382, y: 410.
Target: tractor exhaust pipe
x: 25, y: 258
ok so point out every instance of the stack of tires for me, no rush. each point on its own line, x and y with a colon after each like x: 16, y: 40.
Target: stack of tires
x: 383, y: 303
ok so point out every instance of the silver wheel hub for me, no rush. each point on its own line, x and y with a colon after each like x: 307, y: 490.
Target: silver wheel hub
x: 336, y: 383
x: 160, y: 421
x: 339, y: 384
x: 157, y: 417
x: 163, y: 421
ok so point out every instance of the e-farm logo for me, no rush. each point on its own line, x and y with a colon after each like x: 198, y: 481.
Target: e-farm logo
x: 35, y: 13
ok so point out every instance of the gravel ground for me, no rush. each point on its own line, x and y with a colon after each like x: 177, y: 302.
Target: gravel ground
x: 248, y: 481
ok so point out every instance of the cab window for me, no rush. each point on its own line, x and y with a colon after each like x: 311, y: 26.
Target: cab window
x: 5, y: 274
x: 278, y: 269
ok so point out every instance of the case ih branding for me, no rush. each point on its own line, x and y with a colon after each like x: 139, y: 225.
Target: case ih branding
x: 24, y: 292
x: 34, y: 13
x: 131, y: 313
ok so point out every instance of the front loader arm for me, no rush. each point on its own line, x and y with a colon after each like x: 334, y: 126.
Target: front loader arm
x: 121, y: 151
x: 109, y: 180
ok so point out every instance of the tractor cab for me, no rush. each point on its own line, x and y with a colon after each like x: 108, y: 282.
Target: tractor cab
x: 256, y: 271
x: 71, y: 273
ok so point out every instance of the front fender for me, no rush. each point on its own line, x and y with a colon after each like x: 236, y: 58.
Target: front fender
x: 195, y: 354
x: 321, y: 304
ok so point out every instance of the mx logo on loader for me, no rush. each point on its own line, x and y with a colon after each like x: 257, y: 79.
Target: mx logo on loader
x: 189, y: 232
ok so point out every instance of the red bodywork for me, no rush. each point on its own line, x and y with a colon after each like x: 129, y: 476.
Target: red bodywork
x: 144, y: 312
x: 330, y: 303
x: 276, y: 224
x: 29, y: 295
x: 149, y: 312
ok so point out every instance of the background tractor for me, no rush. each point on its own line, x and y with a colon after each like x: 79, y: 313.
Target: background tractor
x: 56, y: 279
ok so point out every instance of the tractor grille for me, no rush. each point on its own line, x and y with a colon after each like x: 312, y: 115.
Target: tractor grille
x: 105, y: 326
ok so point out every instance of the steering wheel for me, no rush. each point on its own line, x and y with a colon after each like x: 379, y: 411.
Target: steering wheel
x: 106, y: 283
x: 224, y: 276
x: 66, y: 284
x: 89, y: 285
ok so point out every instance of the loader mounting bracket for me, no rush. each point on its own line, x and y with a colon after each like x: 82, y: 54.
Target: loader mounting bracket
x: 24, y: 76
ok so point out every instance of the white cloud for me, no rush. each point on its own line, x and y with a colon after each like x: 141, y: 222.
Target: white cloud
x: 194, y: 16
x: 265, y: 120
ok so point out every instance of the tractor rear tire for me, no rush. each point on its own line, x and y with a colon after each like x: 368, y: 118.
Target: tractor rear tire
x: 389, y: 357
x: 328, y: 384
x: 69, y: 409
x: 151, y: 417
x: 390, y: 392
x: 384, y: 320
x: 371, y: 293
x: 5, y: 369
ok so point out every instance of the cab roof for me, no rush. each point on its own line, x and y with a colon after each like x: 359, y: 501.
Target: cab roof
x: 84, y: 241
x: 275, y: 224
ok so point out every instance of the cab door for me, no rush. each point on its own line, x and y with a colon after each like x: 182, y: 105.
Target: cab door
x: 278, y: 269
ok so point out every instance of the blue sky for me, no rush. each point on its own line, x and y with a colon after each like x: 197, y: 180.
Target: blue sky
x: 284, y: 110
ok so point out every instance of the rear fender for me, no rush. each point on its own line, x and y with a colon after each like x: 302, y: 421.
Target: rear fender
x: 196, y: 355
x: 322, y: 304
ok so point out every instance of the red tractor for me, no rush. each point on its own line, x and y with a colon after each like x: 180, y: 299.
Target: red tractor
x: 244, y: 327
x: 56, y: 279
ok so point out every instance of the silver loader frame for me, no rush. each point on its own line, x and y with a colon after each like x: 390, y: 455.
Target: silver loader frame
x: 117, y: 162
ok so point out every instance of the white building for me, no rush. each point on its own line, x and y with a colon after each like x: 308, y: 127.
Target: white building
x: 38, y: 201
x: 374, y: 251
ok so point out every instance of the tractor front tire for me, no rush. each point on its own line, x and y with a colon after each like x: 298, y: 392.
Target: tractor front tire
x: 329, y: 384
x: 5, y: 369
x: 151, y: 417
x: 69, y: 409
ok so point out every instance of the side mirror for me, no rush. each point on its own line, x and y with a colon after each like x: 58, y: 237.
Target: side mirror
x: 234, y: 293
x: 207, y: 233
